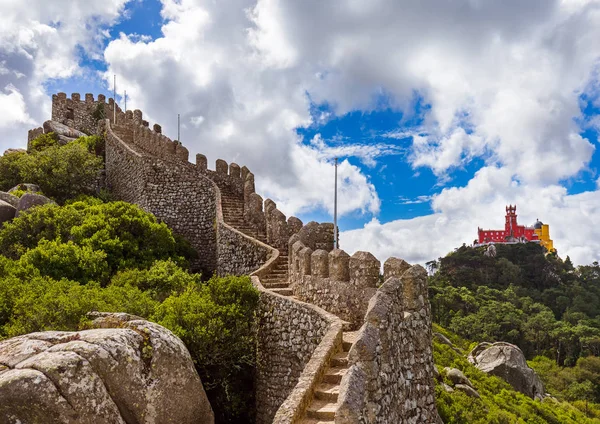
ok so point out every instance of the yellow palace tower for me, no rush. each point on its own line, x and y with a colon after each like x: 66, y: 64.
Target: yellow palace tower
x: 543, y: 232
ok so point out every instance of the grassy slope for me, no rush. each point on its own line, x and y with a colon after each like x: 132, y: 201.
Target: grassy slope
x: 499, y: 403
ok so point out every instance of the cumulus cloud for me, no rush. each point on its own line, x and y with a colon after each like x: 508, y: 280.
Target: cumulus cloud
x: 240, y: 103
x: 39, y: 41
x: 458, y: 212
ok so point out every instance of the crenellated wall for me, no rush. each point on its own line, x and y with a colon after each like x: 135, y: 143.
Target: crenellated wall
x: 331, y: 279
x: 391, y: 375
x: 85, y: 114
x: 174, y: 193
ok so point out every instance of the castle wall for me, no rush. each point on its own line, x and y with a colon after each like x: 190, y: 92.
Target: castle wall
x: 295, y: 342
x: 332, y: 280
x: 174, y: 193
x: 84, y: 115
x: 237, y: 253
x: 391, y: 376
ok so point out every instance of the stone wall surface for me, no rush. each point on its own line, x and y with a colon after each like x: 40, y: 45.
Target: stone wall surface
x: 391, y: 363
x: 237, y: 253
x: 295, y: 342
x: 174, y: 193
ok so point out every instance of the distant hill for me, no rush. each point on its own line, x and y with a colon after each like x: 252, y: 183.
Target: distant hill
x: 525, y: 296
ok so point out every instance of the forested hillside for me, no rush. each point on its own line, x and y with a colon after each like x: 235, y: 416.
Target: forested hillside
x: 535, y: 300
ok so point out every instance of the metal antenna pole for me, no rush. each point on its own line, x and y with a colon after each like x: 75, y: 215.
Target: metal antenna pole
x: 115, y: 100
x: 336, y: 241
x: 178, y: 128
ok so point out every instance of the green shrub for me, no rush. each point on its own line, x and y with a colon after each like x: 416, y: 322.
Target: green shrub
x: 68, y: 260
x: 128, y: 236
x: 215, y: 321
x: 161, y: 280
x: 43, y: 142
x: 10, y: 166
x: 62, y: 172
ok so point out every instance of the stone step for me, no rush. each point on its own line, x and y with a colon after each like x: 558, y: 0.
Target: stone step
x: 275, y: 285
x: 327, y: 392
x: 334, y: 375
x: 314, y: 421
x: 321, y: 410
x: 283, y: 292
x: 339, y: 360
x: 348, y: 339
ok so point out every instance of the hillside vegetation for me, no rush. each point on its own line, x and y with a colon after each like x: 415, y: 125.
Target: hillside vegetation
x: 59, y: 263
x: 499, y: 403
x: 524, y: 296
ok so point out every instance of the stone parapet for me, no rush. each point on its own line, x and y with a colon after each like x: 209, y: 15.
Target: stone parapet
x: 333, y: 280
x: 391, y: 375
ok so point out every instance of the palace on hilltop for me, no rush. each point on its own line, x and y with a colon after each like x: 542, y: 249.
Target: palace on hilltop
x: 515, y: 233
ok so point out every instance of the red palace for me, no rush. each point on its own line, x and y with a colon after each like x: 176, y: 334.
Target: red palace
x: 512, y: 232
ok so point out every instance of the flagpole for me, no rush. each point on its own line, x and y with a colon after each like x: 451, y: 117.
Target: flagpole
x: 115, y: 100
x: 336, y: 241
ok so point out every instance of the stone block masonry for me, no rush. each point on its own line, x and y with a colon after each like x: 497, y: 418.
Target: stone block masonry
x: 391, y: 363
x: 332, y: 280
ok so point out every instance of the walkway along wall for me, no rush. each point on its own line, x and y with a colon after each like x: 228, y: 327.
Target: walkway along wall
x: 296, y: 341
x: 176, y: 192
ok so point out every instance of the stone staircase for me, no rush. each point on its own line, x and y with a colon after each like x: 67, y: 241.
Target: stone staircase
x: 324, y: 404
x: 277, y: 280
x: 233, y: 214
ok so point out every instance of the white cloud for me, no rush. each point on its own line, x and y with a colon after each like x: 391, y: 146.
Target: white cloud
x: 38, y: 42
x: 574, y: 220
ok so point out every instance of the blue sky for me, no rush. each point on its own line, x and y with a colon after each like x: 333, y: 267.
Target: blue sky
x: 441, y: 113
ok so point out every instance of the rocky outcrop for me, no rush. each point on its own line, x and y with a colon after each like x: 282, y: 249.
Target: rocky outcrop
x: 11, y: 199
x: 125, y: 370
x: 30, y: 188
x: 29, y: 200
x: 459, y: 382
x: 507, y: 362
x: 7, y: 211
x: 65, y: 133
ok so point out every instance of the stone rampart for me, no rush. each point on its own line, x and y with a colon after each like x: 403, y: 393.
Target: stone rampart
x: 295, y: 343
x: 333, y: 280
x: 390, y: 379
x: 85, y: 114
x: 181, y: 195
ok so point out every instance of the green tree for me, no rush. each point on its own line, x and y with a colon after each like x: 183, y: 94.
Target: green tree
x: 215, y: 321
x: 62, y: 172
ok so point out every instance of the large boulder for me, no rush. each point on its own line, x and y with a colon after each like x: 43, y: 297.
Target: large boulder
x: 30, y: 188
x: 125, y: 370
x: 507, y: 362
x: 29, y: 200
x: 64, y: 132
x: 7, y: 211
x: 11, y: 199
